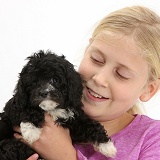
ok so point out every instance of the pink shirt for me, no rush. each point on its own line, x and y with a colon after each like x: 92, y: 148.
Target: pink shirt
x: 140, y: 140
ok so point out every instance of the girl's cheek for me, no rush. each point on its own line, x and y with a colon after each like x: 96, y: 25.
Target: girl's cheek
x: 82, y: 71
x: 81, y: 68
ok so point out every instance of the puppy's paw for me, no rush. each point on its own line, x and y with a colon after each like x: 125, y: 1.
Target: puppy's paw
x: 108, y: 149
x: 29, y: 132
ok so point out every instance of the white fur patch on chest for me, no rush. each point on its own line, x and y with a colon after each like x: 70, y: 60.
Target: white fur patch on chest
x: 61, y: 113
x: 50, y: 107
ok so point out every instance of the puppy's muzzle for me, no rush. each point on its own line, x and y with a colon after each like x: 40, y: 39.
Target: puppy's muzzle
x: 44, y: 94
x: 47, y: 90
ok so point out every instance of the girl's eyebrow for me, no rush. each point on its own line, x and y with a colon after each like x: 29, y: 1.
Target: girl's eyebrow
x: 97, y: 50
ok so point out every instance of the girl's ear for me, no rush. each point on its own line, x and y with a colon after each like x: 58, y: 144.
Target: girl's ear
x: 150, y: 90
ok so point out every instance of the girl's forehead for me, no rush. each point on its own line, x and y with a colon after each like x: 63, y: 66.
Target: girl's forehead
x: 112, y: 38
x: 119, y: 42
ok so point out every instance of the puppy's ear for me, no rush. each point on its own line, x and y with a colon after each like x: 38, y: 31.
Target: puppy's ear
x: 75, y: 87
x: 21, y: 93
x: 6, y: 130
x: 19, y: 99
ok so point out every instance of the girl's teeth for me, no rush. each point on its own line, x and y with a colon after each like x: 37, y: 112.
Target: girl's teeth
x: 94, y: 94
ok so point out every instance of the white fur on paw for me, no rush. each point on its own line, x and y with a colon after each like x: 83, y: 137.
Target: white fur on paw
x: 29, y: 132
x: 108, y: 149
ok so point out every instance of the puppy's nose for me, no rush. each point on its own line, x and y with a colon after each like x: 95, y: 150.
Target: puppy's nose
x: 43, y: 94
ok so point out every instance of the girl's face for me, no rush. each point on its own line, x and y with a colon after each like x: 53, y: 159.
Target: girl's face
x: 115, y: 76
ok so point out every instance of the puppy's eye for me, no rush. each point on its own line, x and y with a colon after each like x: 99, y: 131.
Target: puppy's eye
x: 54, y: 80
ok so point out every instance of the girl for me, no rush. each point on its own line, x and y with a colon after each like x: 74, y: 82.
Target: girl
x: 121, y: 65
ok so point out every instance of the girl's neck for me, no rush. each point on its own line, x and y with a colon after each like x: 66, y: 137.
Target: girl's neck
x: 118, y: 124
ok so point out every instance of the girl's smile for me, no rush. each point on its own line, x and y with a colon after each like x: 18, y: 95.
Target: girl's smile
x: 93, y: 96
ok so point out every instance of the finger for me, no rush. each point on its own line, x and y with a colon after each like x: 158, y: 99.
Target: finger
x: 48, y: 118
x: 17, y: 129
x: 33, y: 157
x: 18, y: 136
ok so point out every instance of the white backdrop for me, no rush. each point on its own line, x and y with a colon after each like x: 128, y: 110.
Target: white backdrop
x: 62, y: 26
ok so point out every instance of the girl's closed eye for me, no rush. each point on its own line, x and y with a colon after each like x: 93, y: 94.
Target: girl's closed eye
x: 122, y: 74
x: 96, y: 58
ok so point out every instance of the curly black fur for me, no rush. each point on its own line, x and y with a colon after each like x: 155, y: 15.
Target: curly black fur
x: 46, y: 77
x: 12, y: 149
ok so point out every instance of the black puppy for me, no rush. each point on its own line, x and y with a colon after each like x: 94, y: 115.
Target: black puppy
x: 48, y: 83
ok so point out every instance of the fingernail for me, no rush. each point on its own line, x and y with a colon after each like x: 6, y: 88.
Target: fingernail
x: 35, y: 155
x: 15, y: 135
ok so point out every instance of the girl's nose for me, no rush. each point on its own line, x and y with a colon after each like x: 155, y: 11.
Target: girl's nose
x: 100, y: 79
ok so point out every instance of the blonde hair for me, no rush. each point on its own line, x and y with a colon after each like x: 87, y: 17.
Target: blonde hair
x: 144, y: 26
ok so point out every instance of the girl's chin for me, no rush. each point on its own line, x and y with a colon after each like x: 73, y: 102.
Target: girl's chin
x: 90, y: 110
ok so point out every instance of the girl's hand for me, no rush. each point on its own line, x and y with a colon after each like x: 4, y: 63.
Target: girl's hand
x: 54, y: 142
